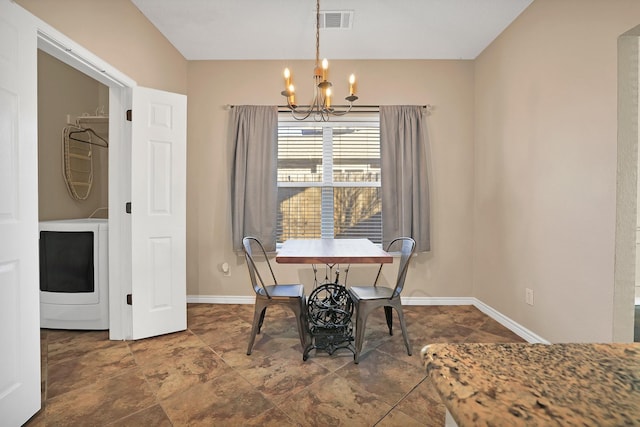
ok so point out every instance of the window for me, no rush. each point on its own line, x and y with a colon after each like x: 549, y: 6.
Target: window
x: 329, y: 179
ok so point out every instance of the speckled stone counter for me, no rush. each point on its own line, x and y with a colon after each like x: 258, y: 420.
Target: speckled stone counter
x: 537, y: 384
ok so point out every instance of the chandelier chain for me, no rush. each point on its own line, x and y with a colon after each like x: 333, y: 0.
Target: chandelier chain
x: 317, y: 32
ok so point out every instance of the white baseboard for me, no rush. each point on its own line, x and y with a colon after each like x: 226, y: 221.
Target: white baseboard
x: 515, y: 327
x: 437, y: 301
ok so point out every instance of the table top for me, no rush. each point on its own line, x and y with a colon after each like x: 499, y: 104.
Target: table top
x: 537, y: 384
x: 332, y: 251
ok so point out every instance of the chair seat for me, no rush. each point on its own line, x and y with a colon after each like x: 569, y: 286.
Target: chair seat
x: 371, y: 292
x: 284, y: 291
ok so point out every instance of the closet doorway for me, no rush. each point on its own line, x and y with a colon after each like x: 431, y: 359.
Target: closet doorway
x: 73, y: 196
x: 146, y: 196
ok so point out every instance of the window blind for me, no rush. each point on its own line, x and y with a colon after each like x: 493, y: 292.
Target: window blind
x: 329, y: 180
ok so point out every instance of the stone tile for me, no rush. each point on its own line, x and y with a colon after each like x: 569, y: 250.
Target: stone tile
x: 86, y: 369
x: 439, y: 333
x: 245, y: 312
x: 331, y: 362
x: 422, y: 314
x: 386, y: 377
x: 101, y: 402
x: 486, y: 337
x: 422, y: 319
x: 496, y: 329
x: 334, y: 401
x: 280, y: 325
x: 398, y: 418
x: 227, y: 400
x: 271, y: 418
x: 267, y: 342
x: 149, y: 350
x: 281, y: 374
x: 203, y: 314
x: 234, y: 351
x: 376, y: 334
x: 63, y: 344
x: 191, y: 366
x: 395, y: 347
x: 466, y: 315
x: 214, y: 332
x: 423, y: 403
x: 153, y: 416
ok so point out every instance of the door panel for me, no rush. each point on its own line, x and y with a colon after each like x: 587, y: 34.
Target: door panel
x: 19, y: 297
x: 158, y: 180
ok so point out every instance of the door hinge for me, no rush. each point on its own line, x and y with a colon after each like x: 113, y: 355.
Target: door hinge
x: 128, y: 115
x: 127, y: 207
x: 129, y: 299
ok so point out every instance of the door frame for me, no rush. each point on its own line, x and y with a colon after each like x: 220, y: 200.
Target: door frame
x: 120, y: 86
x: 627, y: 188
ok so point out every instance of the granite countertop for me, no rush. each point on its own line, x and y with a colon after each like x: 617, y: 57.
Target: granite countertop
x: 537, y: 384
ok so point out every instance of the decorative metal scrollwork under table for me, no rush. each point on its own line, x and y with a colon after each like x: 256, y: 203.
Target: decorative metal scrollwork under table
x: 329, y: 313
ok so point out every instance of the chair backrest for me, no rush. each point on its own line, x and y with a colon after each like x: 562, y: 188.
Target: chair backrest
x: 407, y: 246
x: 259, y: 287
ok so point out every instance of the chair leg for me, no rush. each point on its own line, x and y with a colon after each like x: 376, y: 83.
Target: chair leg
x: 361, y: 325
x: 403, y: 326
x: 388, y: 314
x: 301, y: 321
x: 264, y: 311
x: 258, y: 318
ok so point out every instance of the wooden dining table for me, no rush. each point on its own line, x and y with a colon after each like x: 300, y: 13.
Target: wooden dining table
x: 331, y: 252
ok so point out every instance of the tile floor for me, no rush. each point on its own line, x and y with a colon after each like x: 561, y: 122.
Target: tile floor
x: 202, y: 376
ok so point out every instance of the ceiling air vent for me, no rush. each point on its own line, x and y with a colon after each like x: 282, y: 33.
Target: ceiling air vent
x: 336, y: 19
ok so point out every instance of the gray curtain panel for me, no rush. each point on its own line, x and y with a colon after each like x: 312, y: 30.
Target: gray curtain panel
x: 254, y: 197
x: 405, y: 187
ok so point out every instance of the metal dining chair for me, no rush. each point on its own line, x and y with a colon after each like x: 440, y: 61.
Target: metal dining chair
x: 290, y: 295
x: 368, y: 298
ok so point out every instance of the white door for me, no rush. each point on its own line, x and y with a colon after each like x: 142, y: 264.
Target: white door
x: 19, y: 297
x: 158, y: 212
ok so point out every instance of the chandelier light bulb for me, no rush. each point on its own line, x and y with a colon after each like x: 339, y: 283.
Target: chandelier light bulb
x: 287, y: 77
x: 292, y: 96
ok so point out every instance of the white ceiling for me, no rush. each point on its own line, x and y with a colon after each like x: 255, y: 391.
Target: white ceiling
x: 285, y: 29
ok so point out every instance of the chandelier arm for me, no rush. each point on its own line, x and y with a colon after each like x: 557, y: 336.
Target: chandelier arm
x: 342, y: 112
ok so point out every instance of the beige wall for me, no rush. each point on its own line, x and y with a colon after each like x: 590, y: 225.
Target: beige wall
x: 63, y: 90
x: 448, y: 85
x: 117, y: 32
x: 545, y: 167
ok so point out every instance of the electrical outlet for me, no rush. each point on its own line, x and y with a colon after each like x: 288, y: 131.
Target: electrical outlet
x: 226, y: 271
x: 528, y: 296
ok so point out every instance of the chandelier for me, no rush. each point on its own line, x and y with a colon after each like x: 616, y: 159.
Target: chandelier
x: 320, y: 107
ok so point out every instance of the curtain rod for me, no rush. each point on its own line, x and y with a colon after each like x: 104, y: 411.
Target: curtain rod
x: 285, y: 108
